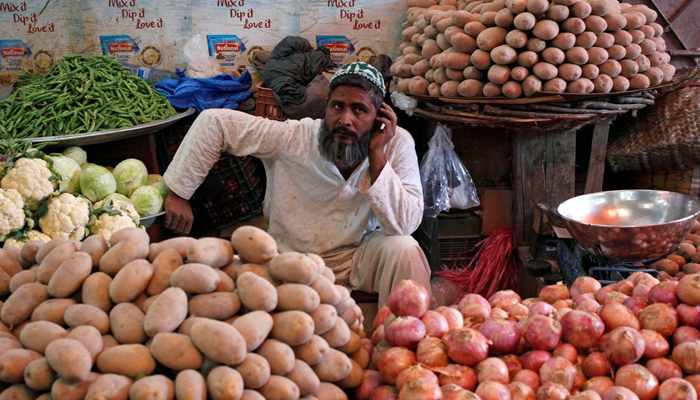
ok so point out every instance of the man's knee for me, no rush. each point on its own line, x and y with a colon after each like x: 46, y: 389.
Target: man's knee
x: 399, y: 244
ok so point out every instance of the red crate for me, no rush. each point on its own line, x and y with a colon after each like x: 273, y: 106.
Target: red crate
x: 267, y: 105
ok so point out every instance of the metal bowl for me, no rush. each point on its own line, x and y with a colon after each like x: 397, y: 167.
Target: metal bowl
x: 630, y: 225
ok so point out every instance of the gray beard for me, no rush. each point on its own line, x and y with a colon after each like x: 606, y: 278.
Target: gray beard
x: 342, y: 154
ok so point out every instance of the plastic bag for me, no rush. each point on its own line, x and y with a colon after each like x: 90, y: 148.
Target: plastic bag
x: 199, y: 63
x: 403, y: 102
x: 446, y: 182
x: 221, y: 91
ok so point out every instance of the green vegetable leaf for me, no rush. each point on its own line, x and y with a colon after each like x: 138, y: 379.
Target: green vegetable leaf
x: 106, y: 208
x: 43, y: 208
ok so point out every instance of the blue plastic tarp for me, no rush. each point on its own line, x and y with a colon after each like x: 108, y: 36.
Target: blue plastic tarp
x: 221, y: 91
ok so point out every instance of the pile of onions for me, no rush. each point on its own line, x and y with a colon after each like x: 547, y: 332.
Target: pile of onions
x: 474, y: 309
x: 623, y: 346
x: 543, y: 333
x: 554, y: 293
x: 595, y: 364
x: 503, y: 334
x: 677, y: 389
x: 405, y: 332
x: 582, y: 329
x: 615, y: 315
x: 466, y: 346
x: 639, y: 380
x: 583, y: 285
x: 409, y: 298
x: 659, y: 317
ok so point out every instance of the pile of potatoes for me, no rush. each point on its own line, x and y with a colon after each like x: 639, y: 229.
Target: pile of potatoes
x: 494, y: 48
x: 184, y: 318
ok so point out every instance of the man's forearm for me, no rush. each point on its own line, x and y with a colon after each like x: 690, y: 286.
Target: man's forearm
x: 377, y: 161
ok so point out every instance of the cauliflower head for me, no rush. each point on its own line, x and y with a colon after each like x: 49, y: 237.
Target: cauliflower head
x: 12, y: 217
x: 31, y: 235
x: 113, y: 216
x: 32, y: 178
x: 67, y: 217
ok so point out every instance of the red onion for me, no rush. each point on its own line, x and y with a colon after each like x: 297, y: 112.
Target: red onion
x: 585, y: 395
x: 378, y: 350
x: 492, y: 369
x: 393, y: 361
x: 381, y: 316
x: 535, y: 359
x: 580, y: 379
x: 367, y: 345
x: 420, y: 389
x: 583, y: 297
x: 541, y: 308
x: 641, y: 291
x: 615, y: 315
x: 453, y: 316
x: 659, y: 317
x: 582, y: 329
x: 685, y: 334
x: 602, y: 293
x: 639, y: 380
x: 623, y: 346
x: 583, y: 285
x: 677, y: 389
x: 378, y: 335
x: 561, y: 313
x: 664, y: 369
x: 664, y: 292
x: 596, y: 365
x: 504, y: 299
x: 513, y: 363
x: 492, y: 390
x: 431, y: 352
x: 466, y: 346
x: 655, y: 345
x: 474, y: 308
x: 625, y: 287
x: 559, y: 370
x: 389, y: 319
x: 552, y: 391
x: 635, y: 304
x: 384, y: 393
x: 521, y: 322
x: 518, y: 310
x: 599, y: 384
x: 589, y: 306
x: 454, y: 392
x: 415, y: 372
x: 543, y: 333
x: 694, y: 380
x: 405, y: 332
x: 528, y: 377
x: 615, y: 296
x: 520, y: 391
x: 460, y: 375
x: 567, y: 351
x: 371, y: 381
x: 435, y: 324
x: 687, y: 356
x: 499, y: 313
x: 648, y: 281
x: 559, y: 304
x: 409, y: 298
x: 688, y: 289
x: 688, y: 315
x: 530, y: 301
x: 618, y: 393
x: 503, y: 334
x: 552, y: 293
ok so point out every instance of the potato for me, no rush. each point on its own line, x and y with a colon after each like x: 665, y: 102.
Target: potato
x: 53, y: 260
x: 604, y: 40
x: 503, y: 55
x: 632, y: 51
x: 629, y: 68
x: 39, y: 376
x: 90, y: 338
x: 324, y: 318
x: 20, y: 305
x: 586, y: 40
x: 581, y: 85
x: 535, y: 45
x: 334, y: 367
x: 545, y: 71
x: 649, y: 14
x: 329, y: 391
x: 123, y: 253
x: 109, y: 386
x: 339, y: 335
x: 256, y: 293
x: 190, y: 385
x: 304, y: 377
x: 13, y: 362
x: 537, y: 7
x: 280, y: 388
x: 590, y: 71
x: 461, y: 18
x: 463, y: 43
x: 19, y: 392
x: 545, y: 29
x: 467, y: 88
x: 70, y: 359
x: 488, y: 18
x: 261, y: 270
x: 434, y: 89
x: 47, y: 248
x: 418, y: 86
x: 96, y: 247
x: 152, y: 387
x: 516, y: 6
x: 176, y: 351
x: 616, y: 52
x: 491, y: 38
x: 326, y: 290
x: 294, y: 267
x: 131, y: 281
x: 597, y: 55
x: 647, y: 47
x: 479, y: 59
x: 254, y: 327
x: 219, y: 341
x: 649, y: 31
x: 504, y: 18
x: 558, y: 13
x: 164, y: 264
x: 577, y: 55
x: 573, y: 25
x: 527, y: 59
x: 602, y: 84
x: 643, y: 63
x: 255, y: 371
x: 411, y: 50
x: 431, y: 32
x: 419, y: 69
x: 524, y: 21
x: 622, y: 38
x: 658, y: 30
x: 27, y: 255
x: 634, y: 20
x: 564, y: 41
x: 655, y: 75
x: 449, y: 89
x: 126, y: 359
x: 516, y: 39
x: 639, y: 81
x: 492, y: 90
x: 180, y: 244
x: 354, y: 379
x: 134, y: 234
x: 614, y: 22
x: 620, y: 84
x: 313, y: 351
x: 531, y: 85
x: 473, y: 29
x: 9, y: 343
x: 595, y: 24
x: 553, y: 56
x: 167, y: 312
x: 669, y: 70
x: 52, y: 310
x: 108, y: 341
x: 610, y: 68
x: 452, y: 60
x: 569, y: 72
x: 519, y: 73
x: 580, y: 9
x: 409, y: 32
x: 442, y: 43
x: 21, y: 278
x: 83, y: 314
x: 211, y: 251
x: 126, y: 322
x: 37, y: 335
x: 195, y: 278
x: 498, y: 74
x: 254, y: 244
x: 292, y: 327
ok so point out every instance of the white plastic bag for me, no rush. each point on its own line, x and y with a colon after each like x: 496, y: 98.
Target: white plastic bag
x: 446, y: 182
x: 199, y: 63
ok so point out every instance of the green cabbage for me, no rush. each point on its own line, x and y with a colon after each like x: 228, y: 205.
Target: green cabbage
x: 153, y: 178
x: 117, y: 196
x: 97, y: 182
x: 130, y: 174
x: 147, y: 200
x: 76, y: 153
x: 69, y: 170
x: 162, y: 188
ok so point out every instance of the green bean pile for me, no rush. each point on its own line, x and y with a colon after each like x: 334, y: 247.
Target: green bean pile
x: 80, y: 94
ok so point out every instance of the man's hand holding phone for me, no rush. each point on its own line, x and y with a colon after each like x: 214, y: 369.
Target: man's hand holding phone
x: 384, y: 128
